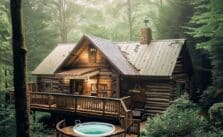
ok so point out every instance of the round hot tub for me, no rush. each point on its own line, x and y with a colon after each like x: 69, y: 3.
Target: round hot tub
x: 94, y: 129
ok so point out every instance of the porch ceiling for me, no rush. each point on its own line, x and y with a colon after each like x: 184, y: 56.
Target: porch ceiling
x: 78, y: 73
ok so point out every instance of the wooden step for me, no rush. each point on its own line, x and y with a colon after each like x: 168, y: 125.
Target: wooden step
x: 162, y: 104
x: 157, y: 96
x: 158, y: 87
x: 158, y: 93
x: 156, y: 107
x: 154, y: 111
x: 157, y: 99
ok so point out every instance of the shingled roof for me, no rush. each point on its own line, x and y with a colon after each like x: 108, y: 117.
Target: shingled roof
x: 156, y: 59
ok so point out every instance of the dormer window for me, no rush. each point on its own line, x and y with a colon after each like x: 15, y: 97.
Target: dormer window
x: 92, y: 54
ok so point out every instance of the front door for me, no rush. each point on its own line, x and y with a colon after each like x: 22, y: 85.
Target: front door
x: 76, y: 86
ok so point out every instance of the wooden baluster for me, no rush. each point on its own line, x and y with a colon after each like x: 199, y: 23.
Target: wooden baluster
x: 49, y: 101
x: 75, y: 105
x: 104, y: 102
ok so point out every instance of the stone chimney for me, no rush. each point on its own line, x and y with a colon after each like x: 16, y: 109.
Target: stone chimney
x: 145, y: 35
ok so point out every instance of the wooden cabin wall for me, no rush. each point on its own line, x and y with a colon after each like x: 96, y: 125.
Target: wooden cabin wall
x: 181, y: 76
x: 48, y: 84
x: 156, y: 92
x: 159, y: 96
x: 82, y: 59
x: 107, y: 76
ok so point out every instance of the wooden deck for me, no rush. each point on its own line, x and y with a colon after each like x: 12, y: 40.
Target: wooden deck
x: 100, y: 106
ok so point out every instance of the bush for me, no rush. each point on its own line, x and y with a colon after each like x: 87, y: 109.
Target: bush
x: 7, y: 121
x: 182, y: 119
x: 216, y: 114
x: 211, y: 96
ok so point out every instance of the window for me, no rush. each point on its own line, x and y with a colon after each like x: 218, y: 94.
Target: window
x: 92, y: 54
x: 103, y: 87
x: 103, y: 90
x: 93, y: 90
x: 93, y: 87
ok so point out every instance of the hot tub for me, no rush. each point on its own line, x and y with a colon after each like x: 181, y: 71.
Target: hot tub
x: 94, y: 129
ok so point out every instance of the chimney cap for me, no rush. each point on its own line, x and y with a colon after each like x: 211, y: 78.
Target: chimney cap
x: 146, y: 21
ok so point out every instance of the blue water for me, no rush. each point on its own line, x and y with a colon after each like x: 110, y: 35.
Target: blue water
x: 94, y: 128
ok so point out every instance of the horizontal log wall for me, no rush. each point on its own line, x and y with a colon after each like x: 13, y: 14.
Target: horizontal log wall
x: 48, y: 84
x: 181, y: 75
x: 158, y: 97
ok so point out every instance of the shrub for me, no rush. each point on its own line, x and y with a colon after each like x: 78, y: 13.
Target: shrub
x: 7, y: 121
x: 216, y: 114
x: 181, y: 119
x: 211, y: 96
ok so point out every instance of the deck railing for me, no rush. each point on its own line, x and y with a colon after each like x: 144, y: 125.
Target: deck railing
x: 62, y: 124
x: 104, y: 106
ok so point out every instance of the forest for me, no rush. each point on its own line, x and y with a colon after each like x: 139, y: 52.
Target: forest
x: 49, y: 22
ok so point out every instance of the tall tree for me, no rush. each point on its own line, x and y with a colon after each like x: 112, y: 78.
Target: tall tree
x: 5, y: 48
x: 208, y: 22
x: 19, y: 60
x: 40, y: 34
x: 130, y: 19
x: 65, y: 13
x: 172, y: 16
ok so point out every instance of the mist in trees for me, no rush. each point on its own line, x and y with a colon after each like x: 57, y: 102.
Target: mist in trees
x: 49, y: 22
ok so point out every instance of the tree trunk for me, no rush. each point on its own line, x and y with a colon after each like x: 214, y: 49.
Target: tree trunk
x: 130, y: 19
x: 19, y: 60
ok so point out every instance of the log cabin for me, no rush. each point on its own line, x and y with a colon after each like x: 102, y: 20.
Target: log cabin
x: 150, y: 73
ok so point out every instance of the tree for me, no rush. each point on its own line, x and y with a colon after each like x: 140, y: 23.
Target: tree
x: 5, y: 49
x: 65, y: 13
x: 171, y: 18
x: 40, y: 35
x: 208, y: 30
x: 19, y: 60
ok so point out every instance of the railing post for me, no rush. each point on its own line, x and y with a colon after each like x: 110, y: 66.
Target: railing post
x: 104, y: 102
x: 75, y: 107
x: 49, y: 100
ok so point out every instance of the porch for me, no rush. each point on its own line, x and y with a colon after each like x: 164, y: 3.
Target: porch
x: 81, y: 81
x: 87, y: 105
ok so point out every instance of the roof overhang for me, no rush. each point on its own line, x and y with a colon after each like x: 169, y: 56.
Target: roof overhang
x: 78, y: 73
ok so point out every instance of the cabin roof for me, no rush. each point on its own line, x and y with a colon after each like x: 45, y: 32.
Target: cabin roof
x: 54, y: 60
x: 156, y: 59
x: 112, y: 52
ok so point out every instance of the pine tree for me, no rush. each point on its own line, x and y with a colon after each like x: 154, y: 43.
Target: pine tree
x: 208, y: 20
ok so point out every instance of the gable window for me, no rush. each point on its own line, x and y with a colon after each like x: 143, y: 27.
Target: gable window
x: 92, y: 54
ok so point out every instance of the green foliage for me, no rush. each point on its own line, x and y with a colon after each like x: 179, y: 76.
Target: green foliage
x: 207, y: 29
x: 40, y: 37
x: 171, y: 19
x: 216, y: 114
x: 5, y: 47
x: 7, y: 121
x: 182, y: 119
x: 210, y: 97
x: 8, y: 125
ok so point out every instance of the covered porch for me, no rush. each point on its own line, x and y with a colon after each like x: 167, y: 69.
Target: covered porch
x: 88, y: 82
